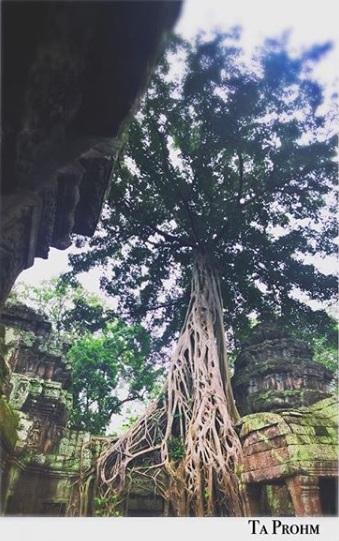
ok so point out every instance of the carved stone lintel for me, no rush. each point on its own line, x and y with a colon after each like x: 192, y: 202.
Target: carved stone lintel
x: 69, y: 95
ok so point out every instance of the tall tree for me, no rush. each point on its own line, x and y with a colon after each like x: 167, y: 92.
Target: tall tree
x: 224, y: 177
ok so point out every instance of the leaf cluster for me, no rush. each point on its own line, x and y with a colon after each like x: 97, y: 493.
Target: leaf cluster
x: 109, y: 370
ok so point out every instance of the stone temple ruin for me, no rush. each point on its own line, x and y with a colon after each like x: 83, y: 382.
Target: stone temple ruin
x: 65, y: 100
x: 41, y: 459
x: 290, y: 465
x: 72, y: 76
x: 275, y: 370
x: 289, y: 426
x: 289, y: 439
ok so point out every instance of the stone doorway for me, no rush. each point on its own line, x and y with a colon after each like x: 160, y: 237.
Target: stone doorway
x: 328, y: 494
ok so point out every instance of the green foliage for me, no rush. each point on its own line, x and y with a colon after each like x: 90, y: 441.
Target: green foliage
x: 325, y: 354
x: 71, y: 309
x: 105, y: 364
x: 322, y: 337
x: 176, y: 448
x: 227, y: 158
x: 107, y: 506
x: 9, y: 421
x: 129, y: 421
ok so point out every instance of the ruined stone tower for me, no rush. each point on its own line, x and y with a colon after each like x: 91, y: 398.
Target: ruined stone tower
x: 275, y: 370
x: 288, y: 428
x: 42, y: 459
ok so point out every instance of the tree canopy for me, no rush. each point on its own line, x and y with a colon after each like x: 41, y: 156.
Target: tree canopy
x: 227, y: 158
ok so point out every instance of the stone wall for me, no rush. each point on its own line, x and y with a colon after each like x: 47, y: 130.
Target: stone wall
x: 40, y: 479
x: 42, y: 459
x: 295, y: 450
x: 33, y: 362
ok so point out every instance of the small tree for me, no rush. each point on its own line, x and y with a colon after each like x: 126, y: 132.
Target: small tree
x: 106, y: 367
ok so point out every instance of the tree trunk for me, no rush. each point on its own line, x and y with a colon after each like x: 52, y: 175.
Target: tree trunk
x: 188, y: 433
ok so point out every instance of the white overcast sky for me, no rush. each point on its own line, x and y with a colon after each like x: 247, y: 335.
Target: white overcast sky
x: 310, y: 21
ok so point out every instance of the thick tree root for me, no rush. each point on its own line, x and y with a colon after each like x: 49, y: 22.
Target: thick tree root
x: 188, y: 433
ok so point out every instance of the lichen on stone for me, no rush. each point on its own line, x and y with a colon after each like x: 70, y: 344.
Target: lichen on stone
x: 9, y: 421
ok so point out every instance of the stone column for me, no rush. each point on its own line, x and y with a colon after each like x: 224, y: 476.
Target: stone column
x: 304, y: 490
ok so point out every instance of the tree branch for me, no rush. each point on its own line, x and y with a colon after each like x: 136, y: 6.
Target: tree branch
x: 169, y: 237
x: 165, y: 305
x: 169, y: 172
x: 130, y: 398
